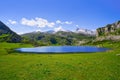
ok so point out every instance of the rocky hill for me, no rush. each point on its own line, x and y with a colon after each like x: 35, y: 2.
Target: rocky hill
x: 7, y: 35
x: 110, y: 29
x: 109, y: 32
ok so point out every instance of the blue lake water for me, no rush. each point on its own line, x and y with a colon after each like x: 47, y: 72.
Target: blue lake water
x: 62, y: 49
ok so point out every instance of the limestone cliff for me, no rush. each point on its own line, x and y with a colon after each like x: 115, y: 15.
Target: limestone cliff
x: 110, y: 29
x: 109, y: 32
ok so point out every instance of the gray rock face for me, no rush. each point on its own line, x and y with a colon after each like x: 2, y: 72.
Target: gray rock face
x: 110, y: 29
x: 112, y: 37
x: 6, y: 34
x: 109, y: 32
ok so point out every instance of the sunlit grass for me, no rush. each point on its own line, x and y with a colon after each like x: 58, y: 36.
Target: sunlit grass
x: 90, y: 66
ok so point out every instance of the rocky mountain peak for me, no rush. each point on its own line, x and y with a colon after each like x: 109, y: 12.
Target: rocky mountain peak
x: 85, y: 31
x: 6, y: 34
x: 109, y: 29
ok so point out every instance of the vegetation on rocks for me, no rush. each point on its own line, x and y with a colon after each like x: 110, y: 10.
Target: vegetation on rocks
x: 59, y: 38
x: 110, y: 29
x: 7, y: 35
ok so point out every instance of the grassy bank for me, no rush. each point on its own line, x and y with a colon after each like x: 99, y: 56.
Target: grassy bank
x: 90, y: 66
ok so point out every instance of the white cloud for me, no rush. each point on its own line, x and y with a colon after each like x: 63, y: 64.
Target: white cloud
x: 39, y: 30
x: 39, y: 22
x: 66, y: 22
x: 12, y: 22
x: 59, y: 22
x: 51, y: 24
x: 20, y: 33
x: 27, y: 22
x: 77, y: 25
x: 59, y: 29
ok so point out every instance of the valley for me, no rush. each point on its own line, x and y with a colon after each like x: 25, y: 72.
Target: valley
x: 71, y: 66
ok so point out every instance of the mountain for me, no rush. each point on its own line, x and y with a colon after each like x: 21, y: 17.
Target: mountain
x: 6, y: 34
x: 78, y: 31
x: 50, y: 32
x: 109, y: 32
x: 85, y: 31
x: 109, y: 29
x: 54, y: 31
x: 56, y: 38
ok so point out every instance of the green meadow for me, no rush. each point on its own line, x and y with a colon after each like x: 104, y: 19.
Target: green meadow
x: 76, y: 66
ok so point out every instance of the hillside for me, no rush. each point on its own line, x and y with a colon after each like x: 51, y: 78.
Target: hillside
x: 58, y: 38
x: 45, y: 38
x: 7, y: 35
x: 109, y: 32
x: 109, y: 29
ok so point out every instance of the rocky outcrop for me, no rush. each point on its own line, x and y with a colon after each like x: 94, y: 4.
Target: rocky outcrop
x: 110, y: 29
x: 109, y: 32
x: 7, y: 35
x: 112, y: 37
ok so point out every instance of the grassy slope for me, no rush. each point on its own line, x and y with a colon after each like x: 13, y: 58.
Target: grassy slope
x: 95, y: 66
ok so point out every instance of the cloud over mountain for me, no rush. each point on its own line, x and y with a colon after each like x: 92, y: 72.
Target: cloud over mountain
x: 38, y: 22
x: 12, y: 22
x: 66, y: 22
x: 59, y: 29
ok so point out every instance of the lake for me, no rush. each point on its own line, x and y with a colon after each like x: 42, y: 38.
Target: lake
x: 62, y: 49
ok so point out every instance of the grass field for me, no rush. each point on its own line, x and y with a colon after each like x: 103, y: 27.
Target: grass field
x: 77, y: 66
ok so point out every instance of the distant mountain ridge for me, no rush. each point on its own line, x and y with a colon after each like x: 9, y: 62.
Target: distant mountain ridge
x: 7, y: 35
x: 62, y: 37
x: 86, y: 31
x: 77, y: 31
x: 59, y: 38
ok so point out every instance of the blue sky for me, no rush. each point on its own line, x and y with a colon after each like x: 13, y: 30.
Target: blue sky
x: 24, y: 16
